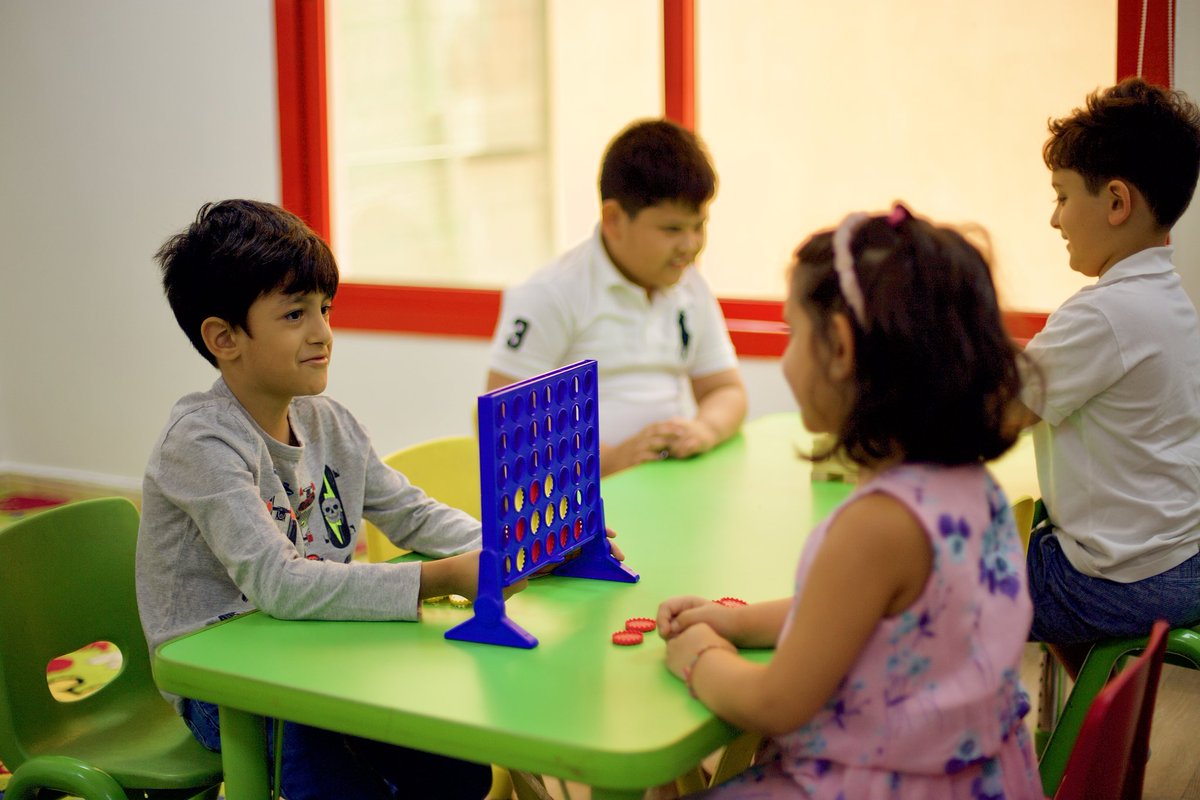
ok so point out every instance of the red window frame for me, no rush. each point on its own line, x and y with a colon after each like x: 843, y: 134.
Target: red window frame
x: 754, y: 325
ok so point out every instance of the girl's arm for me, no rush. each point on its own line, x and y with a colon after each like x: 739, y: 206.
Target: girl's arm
x: 874, y: 563
x: 755, y: 625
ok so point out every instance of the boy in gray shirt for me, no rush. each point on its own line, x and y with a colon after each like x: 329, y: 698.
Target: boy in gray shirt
x: 253, y: 493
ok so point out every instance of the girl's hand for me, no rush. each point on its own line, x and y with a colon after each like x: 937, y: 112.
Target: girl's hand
x: 682, y: 649
x: 680, y: 613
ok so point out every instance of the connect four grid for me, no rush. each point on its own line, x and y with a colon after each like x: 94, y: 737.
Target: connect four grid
x: 539, y: 480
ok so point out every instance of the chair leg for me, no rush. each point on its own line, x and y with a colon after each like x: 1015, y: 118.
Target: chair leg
x: 502, y: 785
x: 1093, y: 674
x: 62, y: 774
x: 529, y: 786
x: 1050, y: 699
x: 738, y: 756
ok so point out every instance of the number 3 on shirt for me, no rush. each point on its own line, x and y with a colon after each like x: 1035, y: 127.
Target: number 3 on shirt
x: 520, y: 326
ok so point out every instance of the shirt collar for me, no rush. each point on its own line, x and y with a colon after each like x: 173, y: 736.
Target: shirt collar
x: 610, y: 278
x: 1151, y: 261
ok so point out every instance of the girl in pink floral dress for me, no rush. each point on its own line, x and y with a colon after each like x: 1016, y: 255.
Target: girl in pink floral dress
x: 896, y: 661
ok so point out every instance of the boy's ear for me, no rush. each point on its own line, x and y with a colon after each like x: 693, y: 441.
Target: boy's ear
x: 219, y: 337
x: 610, y: 217
x: 841, y: 358
x: 1119, y: 195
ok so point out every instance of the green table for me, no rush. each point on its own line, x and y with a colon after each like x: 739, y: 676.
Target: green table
x: 576, y: 706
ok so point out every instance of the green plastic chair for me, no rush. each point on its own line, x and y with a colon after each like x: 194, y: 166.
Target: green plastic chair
x: 1183, y: 649
x: 66, y: 580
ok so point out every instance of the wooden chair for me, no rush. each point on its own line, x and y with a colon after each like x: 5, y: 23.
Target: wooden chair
x: 1109, y: 756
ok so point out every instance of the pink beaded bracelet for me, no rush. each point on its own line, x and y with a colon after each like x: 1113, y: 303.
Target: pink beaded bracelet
x: 687, y: 671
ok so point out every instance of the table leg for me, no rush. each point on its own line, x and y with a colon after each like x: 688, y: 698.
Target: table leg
x: 244, y: 755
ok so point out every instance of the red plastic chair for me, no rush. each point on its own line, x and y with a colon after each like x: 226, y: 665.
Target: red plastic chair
x: 1109, y: 756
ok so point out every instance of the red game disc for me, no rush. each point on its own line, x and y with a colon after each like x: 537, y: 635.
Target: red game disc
x: 627, y: 637
x: 730, y: 601
x: 640, y: 624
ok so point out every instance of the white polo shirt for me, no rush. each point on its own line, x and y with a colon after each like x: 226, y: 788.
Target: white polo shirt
x: 647, y: 349
x: 1118, y: 450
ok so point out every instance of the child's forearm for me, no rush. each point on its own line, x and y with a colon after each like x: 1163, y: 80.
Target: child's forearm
x: 722, y: 410
x: 759, y: 625
x: 454, y: 575
x: 740, y: 692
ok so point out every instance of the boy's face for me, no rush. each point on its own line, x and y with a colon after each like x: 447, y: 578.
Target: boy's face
x: 287, y: 346
x: 653, y: 248
x: 1083, y: 220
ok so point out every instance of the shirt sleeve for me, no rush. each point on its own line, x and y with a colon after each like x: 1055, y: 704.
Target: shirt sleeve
x: 1074, y: 358
x: 715, y: 352
x: 533, y: 333
x: 214, y: 478
x: 413, y: 520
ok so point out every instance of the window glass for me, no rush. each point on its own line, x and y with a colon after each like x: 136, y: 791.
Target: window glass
x: 812, y: 110
x: 465, y: 135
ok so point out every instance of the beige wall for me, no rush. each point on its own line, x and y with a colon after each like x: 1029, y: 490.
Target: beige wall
x: 119, y: 119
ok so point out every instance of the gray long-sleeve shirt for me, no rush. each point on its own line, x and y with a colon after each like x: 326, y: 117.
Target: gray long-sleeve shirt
x: 233, y: 520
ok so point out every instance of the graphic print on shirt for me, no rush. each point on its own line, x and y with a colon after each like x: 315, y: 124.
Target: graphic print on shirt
x: 284, y: 519
x: 520, y: 326
x: 684, y: 335
x: 308, y: 496
x: 334, y: 512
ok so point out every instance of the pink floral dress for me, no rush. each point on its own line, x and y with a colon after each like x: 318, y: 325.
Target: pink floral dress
x: 933, y: 706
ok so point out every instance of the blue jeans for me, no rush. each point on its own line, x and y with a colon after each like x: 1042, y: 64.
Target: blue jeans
x: 1072, y: 608
x: 323, y: 765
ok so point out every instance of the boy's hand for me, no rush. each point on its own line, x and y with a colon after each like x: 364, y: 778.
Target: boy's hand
x: 452, y: 575
x: 457, y: 575
x: 672, y: 438
x: 689, y: 437
x: 682, y: 649
x: 678, y: 614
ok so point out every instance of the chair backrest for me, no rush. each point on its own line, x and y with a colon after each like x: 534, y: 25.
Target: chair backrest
x: 447, y: 469
x: 67, y: 580
x: 1109, y: 757
x: 1022, y: 511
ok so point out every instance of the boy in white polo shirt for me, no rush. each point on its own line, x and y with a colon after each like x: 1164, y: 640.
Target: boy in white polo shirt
x: 631, y: 298
x: 1116, y: 379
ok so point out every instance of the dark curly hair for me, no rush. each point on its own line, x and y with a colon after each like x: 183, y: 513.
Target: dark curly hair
x: 1135, y: 132
x: 934, y: 369
x: 235, y: 252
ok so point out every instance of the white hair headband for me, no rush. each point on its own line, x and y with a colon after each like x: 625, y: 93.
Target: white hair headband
x: 843, y: 259
x: 843, y: 265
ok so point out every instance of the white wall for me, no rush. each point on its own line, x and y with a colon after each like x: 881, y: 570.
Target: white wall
x: 117, y: 120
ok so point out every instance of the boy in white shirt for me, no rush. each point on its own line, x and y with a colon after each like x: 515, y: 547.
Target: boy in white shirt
x: 1115, y: 385
x: 631, y: 298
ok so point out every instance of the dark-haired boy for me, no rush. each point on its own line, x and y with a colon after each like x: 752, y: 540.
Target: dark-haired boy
x: 631, y: 298
x: 1116, y: 383
x: 254, y: 491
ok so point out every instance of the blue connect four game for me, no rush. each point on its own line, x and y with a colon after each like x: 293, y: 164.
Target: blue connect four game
x: 539, y: 488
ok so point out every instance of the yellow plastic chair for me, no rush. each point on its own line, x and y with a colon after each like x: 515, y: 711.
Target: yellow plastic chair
x: 66, y: 580
x: 447, y: 469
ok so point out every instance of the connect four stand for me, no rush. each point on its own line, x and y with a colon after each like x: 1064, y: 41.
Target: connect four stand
x: 539, y: 486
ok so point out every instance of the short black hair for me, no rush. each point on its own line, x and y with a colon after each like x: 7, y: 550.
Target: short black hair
x: 1135, y: 132
x: 235, y: 252
x: 934, y: 368
x: 654, y: 161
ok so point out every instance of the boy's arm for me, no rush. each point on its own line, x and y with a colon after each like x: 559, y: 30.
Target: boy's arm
x: 413, y: 520
x: 720, y: 407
